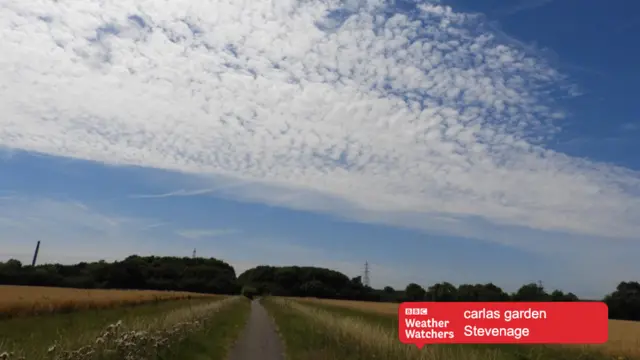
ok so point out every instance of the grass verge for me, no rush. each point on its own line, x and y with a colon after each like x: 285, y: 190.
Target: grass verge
x: 32, y: 336
x: 214, y: 340
x: 148, y: 338
x: 319, y: 331
x: 304, y: 340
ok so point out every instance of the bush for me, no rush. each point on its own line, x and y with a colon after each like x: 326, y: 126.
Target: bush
x: 250, y: 292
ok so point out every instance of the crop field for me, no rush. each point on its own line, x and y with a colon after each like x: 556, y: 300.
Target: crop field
x: 112, y: 324
x: 326, y: 329
x: 379, y: 308
x: 31, y: 300
x: 128, y: 325
x: 624, y: 336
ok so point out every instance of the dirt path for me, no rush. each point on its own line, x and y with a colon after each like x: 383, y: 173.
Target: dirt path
x: 259, y: 340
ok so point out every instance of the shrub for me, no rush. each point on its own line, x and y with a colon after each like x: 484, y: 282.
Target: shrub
x: 250, y: 292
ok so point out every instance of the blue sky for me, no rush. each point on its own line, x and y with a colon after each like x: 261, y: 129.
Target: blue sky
x: 457, y: 141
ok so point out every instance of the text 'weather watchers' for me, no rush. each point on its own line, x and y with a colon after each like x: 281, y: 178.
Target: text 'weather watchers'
x: 424, y: 323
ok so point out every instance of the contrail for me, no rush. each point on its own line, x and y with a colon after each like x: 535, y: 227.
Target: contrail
x: 183, y: 192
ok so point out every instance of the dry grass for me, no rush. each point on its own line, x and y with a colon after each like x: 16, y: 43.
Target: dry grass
x: 133, y: 338
x: 35, y: 300
x: 380, y: 308
x: 331, y: 336
x: 144, y: 339
x: 624, y: 339
x: 624, y: 336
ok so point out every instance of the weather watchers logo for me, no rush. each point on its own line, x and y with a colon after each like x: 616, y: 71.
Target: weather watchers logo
x: 482, y: 323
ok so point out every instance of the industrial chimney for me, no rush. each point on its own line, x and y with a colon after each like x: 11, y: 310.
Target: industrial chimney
x: 35, y: 254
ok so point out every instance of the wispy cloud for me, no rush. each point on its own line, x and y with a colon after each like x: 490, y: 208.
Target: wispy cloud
x: 155, y: 225
x: 80, y: 205
x: 69, y: 232
x: 420, y: 114
x: 520, y: 5
x: 7, y: 194
x: 180, y: 192
x: 195, y: 234
x: 195, y: 192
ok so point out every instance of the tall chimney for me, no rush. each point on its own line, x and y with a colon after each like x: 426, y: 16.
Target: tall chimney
x: 35, y: 254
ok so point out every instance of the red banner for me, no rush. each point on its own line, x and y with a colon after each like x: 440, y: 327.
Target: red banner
x: 423, y: 323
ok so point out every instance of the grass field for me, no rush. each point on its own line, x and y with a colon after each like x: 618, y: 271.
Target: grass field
x: 325, y: 329
x: 33, y: 300
x: 185, y: 326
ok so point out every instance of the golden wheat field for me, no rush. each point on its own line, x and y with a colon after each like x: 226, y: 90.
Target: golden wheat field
x: 624, y: 336
x: 380, y: 308
x: 31, y: 300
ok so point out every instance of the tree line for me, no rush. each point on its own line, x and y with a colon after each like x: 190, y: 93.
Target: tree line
x: 216, y: 276
x: 135, y: 272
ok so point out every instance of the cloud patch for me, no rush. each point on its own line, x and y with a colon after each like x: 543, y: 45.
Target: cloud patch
x: 419, y: 110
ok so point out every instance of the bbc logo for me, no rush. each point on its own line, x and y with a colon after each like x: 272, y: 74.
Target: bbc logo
x: 416, y: 311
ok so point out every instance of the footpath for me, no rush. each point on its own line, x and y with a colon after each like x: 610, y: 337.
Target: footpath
x: 259, y: 340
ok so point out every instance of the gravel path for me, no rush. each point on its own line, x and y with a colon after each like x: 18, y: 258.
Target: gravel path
x: 259, y: 340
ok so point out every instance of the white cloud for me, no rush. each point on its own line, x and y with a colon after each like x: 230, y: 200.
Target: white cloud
x: 422, y: 115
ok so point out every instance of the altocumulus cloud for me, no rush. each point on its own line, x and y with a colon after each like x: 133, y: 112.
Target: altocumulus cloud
x: 417, y: 111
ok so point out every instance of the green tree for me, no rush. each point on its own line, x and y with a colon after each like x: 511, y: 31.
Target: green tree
x: 531, y: 292
x: 442, y: 292
x: 624, y: 302
x: 415, y: 292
